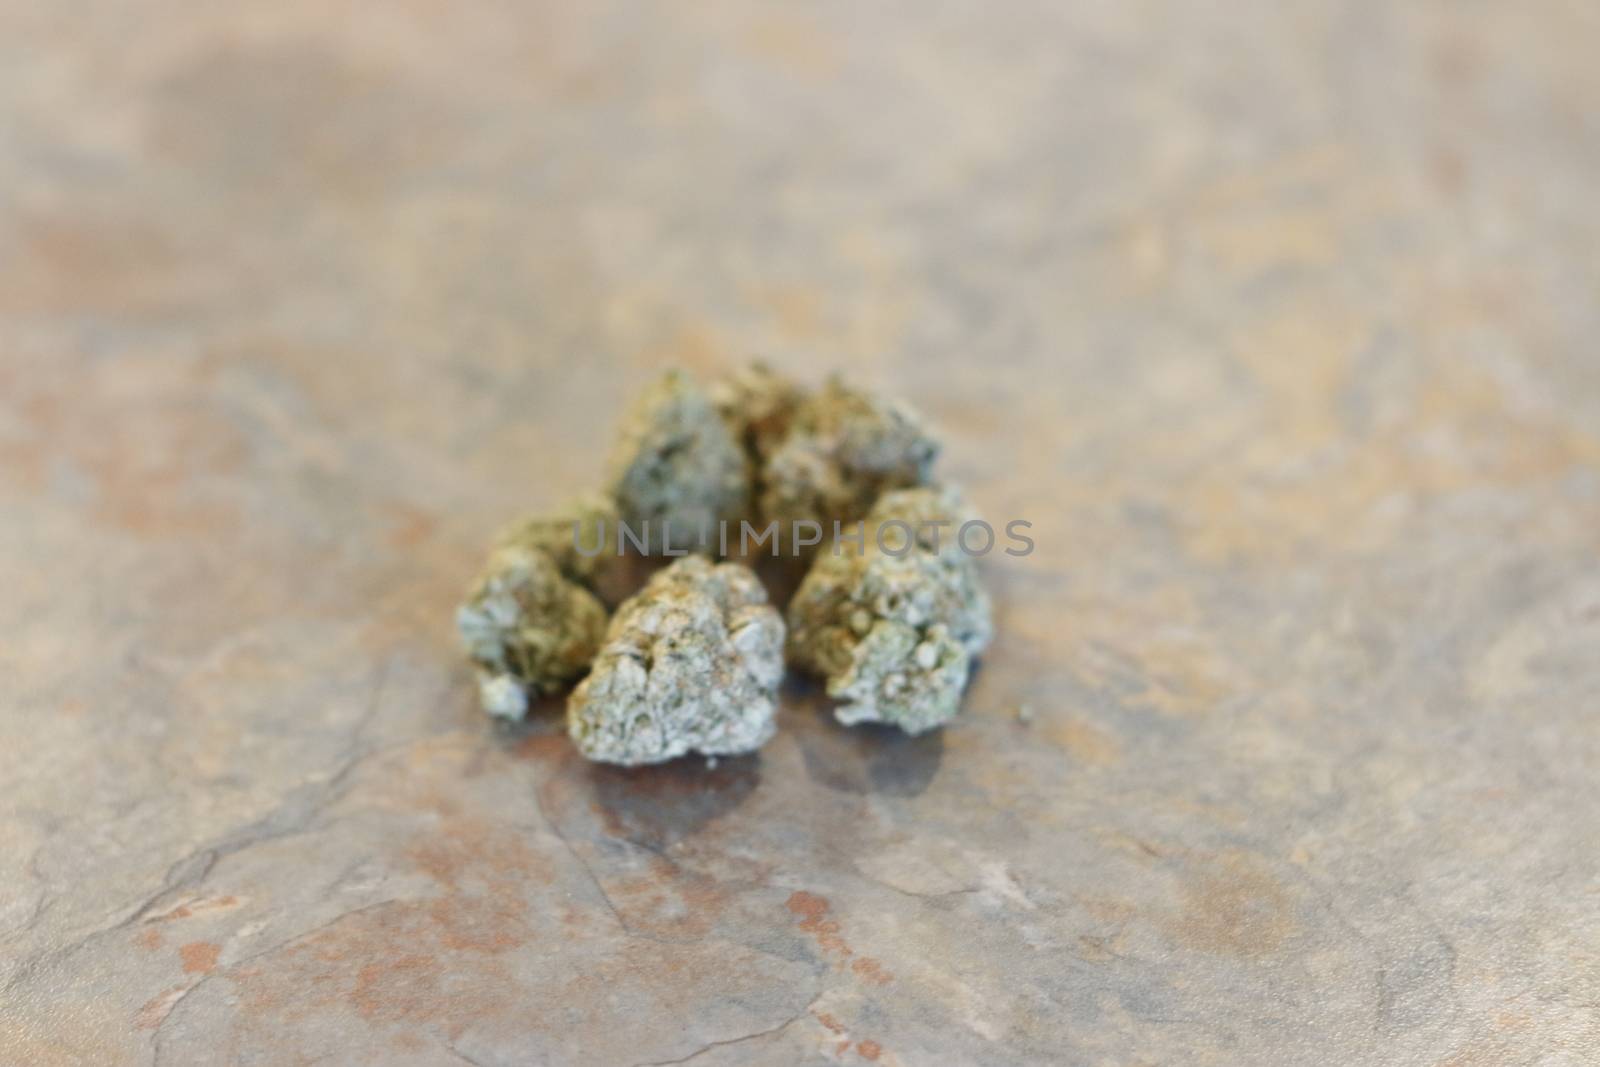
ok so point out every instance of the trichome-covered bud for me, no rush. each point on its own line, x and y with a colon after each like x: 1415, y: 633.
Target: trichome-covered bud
x: 581, y: 538
x: 677, y: 470
x: 928, y: 519
x: 843, y: 449
x: 529, y: 629
x: 690, y: 664
x: 894, y: 624
x: 758, y: 404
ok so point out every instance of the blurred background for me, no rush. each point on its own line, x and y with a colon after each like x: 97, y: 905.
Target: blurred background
x: 1276, y: 319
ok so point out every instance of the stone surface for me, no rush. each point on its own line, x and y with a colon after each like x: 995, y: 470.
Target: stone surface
x: 1276, y: 320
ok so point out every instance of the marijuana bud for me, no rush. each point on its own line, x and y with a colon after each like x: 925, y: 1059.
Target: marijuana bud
x: 528, y: 627
x: 677, y: 470
x: 580, y: 538
x: 757, y: 404
x: 843, y: 449
x: 692, y: 663
x: 894, y: 623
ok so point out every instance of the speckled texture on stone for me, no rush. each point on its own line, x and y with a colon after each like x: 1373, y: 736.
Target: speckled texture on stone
x: 1276, y: 320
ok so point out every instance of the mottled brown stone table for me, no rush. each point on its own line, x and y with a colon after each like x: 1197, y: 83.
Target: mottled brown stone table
x: 1278, y: 321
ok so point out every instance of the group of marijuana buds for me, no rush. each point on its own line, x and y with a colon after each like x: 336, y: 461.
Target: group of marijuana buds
x: 890, y: 612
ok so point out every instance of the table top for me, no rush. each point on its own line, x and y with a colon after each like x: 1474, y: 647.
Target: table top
x: 1277, y: 322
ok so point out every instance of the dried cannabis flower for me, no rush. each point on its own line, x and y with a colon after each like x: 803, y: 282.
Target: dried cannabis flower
x: 677, y: 466
x: 589, y: 523
x: 758, y: 404
x: 894, y: 625
x: 690, y: 664
x: 844, y: 448
x: 529, y: 628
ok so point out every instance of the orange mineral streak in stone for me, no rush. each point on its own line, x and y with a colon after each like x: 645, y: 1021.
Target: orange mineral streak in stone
x: 199, y: 957
x: 190, y: 908
x: 870, y: 970
x: 812, y: 911
x: 158, y: 1007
